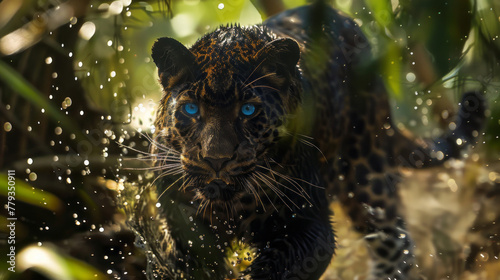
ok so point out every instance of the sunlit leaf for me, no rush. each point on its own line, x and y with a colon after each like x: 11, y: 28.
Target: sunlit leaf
x: 55, y: 265
x: 28, y: 194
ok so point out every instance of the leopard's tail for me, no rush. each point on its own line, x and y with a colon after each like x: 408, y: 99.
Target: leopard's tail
x: 427, y: 153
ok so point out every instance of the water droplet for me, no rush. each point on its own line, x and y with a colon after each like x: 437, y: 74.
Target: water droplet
x: 33, y: 176
x: 66, y: 103
x: 440, y: 155
x: 484, y: 256
x: 58, y: 130
x: 220, y: 6
x: 7, y: 126
x: 48, y: 60
x: 87, y: 30
x: 452, y: 126
x: 410, y: 77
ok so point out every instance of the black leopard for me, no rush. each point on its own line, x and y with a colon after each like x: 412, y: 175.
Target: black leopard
x: 259, y: 128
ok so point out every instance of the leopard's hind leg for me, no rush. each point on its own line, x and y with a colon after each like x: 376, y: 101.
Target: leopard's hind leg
x: 367, y: 165
x: 367, y: 189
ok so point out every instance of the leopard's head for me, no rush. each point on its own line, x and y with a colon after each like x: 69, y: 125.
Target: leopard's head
x: 224, y: 102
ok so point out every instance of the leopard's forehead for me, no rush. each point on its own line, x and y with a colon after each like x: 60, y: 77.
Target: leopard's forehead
x: 227, y: 56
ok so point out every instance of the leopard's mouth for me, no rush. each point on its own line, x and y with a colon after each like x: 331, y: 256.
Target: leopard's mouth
x: 218, y: 190
x: 223, y: 186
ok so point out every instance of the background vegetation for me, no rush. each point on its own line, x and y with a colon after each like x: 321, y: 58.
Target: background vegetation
x: 76, y: 79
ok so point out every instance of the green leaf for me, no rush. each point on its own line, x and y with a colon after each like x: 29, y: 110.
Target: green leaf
x: 382, y: 12
x: 28, y: 194
x: 391, y: 67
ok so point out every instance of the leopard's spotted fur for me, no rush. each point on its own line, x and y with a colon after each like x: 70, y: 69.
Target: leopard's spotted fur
x: 321, y: 129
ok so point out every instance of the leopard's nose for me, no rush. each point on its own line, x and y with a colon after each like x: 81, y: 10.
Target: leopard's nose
x: 217, y: 163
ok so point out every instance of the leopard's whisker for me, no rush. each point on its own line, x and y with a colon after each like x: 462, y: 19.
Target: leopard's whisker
x: 261, y: 86
x: 289, y: 177
x: 308, y: 143
x: 255, y: 193
x: 300, y: 190
x: 261, y: 77
x: 201, y: 207
x: 205, y: 209
x: 248, y: 187
x: 168, y: 173
x: 187, y: 181
x: 147, y: 155
x: 276, y: 190
x: 254, y: 178
x: 227, y: 209
x: 157, y: 144
x: 211, y: 222
x: 253, y: 71
x: 153, y: 168
x: 163, y: 192
x: 152, y: 157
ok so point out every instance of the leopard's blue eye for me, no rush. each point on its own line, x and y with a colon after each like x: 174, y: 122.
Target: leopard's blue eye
x: 248, y: 109
x: 191, y: 108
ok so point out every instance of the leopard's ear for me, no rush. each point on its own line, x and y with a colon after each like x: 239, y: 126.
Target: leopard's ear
x: 176, y: 64
x: 282, y: 54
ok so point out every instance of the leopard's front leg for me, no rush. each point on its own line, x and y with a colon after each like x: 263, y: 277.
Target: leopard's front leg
x: 298, y: 249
